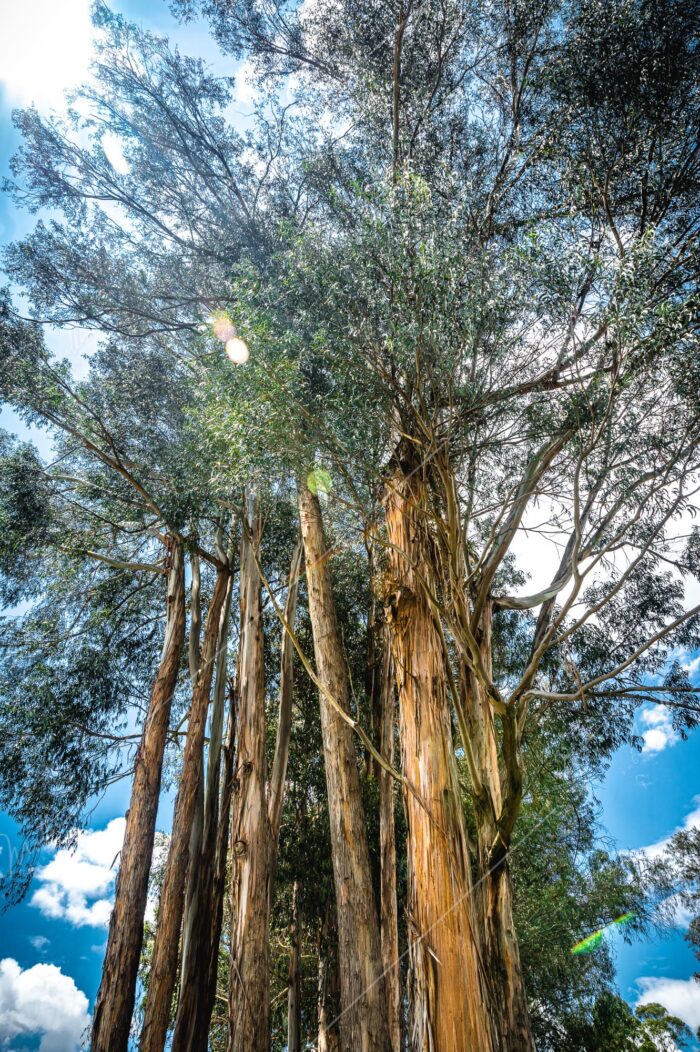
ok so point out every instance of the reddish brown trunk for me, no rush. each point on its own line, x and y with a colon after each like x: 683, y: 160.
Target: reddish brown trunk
x: 389, y: 916
x: 115, y: 998
x: 363, y: 1020
x: 448, y: 1001
x: 165, y: 950
x: 249, y: 978
x: 192, y: 1020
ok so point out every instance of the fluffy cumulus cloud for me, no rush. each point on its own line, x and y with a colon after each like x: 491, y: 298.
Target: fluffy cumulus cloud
x: 77, y: 885
x: 659, y: 733
x: 41, y: 1002
x: 690, y: 822
x: 45, y: 49
x: 680, y: 997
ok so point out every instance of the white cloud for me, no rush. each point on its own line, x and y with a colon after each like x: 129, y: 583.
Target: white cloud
x: 680, y: 997
x: 114, y: 152
x: 41, y: 1001
x: 44, y: 49
x: 76, y: 885
x: 246, y: 87
x: 675, y: 912
x: 39, y: 942
x: 691, y: 821
x: 660, y: 733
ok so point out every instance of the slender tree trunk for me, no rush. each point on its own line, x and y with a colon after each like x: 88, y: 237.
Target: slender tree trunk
x: 294, y: 993
x: 363, y: 1022
x: 496, y: 803
x: 249, y: 977
x: 115, y: 998
x: 165, y: 949
x: 221, y: 858
x: 449, y: 1006
x: 194, y: 656
x: 284, y: 718
x: 389, y: 915
x: 328, y: 983
x: 192, y: 1020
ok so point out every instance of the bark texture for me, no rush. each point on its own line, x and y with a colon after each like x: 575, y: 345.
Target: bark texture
x: 249, y: 978
x: 166, y: 944
x: 363, y: 1019
x: 115, y: 998
x: 448, y: 999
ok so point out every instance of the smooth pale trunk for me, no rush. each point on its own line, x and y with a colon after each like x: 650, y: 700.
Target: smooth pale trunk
x: 249, y: 975
x: 192, y: 1020
x: 363, y: 1019
x: 115, y: 998
x: 449, y: 1009
x: 166, y: 945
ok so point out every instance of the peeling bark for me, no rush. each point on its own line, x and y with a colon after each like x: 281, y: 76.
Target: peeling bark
x: 115, y: 998
x: 363, y: 1020
x: 165, y: 949
x: 447, y: 994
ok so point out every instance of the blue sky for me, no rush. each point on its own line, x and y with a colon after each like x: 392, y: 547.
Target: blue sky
x: 51, y: 945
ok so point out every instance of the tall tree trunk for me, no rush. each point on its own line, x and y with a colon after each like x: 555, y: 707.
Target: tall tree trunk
x: 284, y: 717
x: 192, y: 1020
x: 115, y: 998
x: 449, y: 1006
x: 249, y: 977
x: 221, y: 858
x: 363, y: 1021
x: 496, y: 804
x: 165, y: 949
x: 294, y: 992
x: 389, y: 915
x: 328, y: 983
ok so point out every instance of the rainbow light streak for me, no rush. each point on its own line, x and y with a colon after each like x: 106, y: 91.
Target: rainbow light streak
x: 592, y: 942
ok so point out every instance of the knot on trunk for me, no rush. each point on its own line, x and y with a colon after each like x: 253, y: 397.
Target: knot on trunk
x: 395, y: 596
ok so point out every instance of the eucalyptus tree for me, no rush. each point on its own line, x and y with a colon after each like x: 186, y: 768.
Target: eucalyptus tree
x: 468, y: 274
x: 516, y: 305
x: 121, y: 496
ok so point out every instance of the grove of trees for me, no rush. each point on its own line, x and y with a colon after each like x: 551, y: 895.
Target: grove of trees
x: 459, y: 240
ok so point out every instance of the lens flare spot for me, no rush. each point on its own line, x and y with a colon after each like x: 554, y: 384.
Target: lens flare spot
x: 319, y: 482
x: 237, y: 351
x: 592, y: 942
x: 222, y: 326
